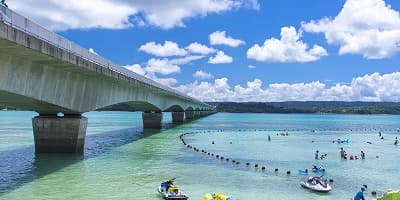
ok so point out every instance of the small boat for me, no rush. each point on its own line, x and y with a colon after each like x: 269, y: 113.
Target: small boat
x: 346, y: 141
x: 317, y: 184
x: 303, y: 171
x: 340, y: 141
x: 169, y: 191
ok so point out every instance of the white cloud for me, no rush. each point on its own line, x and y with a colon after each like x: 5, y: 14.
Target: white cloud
x: 165, y: 81
x: 116, y: 14
x: 160, y: 14
x: 136, y: 68
x: 370, y: 87
x: 92, y: 51
x: 289, y: 48
x: 63, y: 15
x: 219, y: 37
x: 251, y: 66
x: 151, y: 74
x: 185, y: 60
x: 217, y: 91
x: 369, y: 27
x: 221, y: 57
x: 202, y: 75
x: 198, y: 48
x: 163, y: 50
x: 161, y: 66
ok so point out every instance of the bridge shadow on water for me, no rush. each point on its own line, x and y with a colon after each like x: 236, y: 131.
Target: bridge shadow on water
x: 22, y: 166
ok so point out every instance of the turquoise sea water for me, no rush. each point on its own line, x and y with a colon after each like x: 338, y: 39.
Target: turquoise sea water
x: 123, y: 162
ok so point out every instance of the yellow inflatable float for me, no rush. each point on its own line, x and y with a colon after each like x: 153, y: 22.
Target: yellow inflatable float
x: 390, y: 195
x: 208, y: 196
x: 217, y: 196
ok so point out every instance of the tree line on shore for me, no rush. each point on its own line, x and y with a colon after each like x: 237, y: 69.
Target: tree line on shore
x: 337, y: 107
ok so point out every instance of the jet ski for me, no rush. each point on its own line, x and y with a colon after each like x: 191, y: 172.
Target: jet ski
x: 317, y: 184
x: 169, y: 191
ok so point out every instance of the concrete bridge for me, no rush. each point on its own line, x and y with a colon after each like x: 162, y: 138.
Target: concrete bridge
x: 44, y: 72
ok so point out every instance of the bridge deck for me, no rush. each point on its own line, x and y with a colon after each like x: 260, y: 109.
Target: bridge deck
x: 73, y: 53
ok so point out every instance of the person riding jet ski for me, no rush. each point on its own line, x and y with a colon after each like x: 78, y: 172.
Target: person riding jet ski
x: 318, y: 184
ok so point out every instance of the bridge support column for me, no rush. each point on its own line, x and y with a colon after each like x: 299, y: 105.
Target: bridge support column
x: 196, y: 114
x: 177, y: 117
x: 189, y: 114
x: 152, y: 120
x: 59, y: 134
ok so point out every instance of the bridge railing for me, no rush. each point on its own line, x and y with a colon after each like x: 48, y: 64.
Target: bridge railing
x: 23, y: 24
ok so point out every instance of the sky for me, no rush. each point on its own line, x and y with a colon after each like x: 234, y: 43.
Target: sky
x: 241, y: 50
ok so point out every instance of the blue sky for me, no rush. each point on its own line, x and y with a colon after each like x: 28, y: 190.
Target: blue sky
x: 356, y: 57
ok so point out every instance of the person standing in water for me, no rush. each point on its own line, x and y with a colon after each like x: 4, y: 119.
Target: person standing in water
x: 362, y: 155
x: 396, y: 141
x: 360, y: 193
x: 269, y: 138
x: 342, y: 152
x: 316, y: 155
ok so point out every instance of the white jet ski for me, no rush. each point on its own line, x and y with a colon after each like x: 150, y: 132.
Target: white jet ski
x: 317, y: 184
x: 171, y: 192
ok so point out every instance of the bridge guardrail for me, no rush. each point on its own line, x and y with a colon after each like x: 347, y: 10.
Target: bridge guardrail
x: 23, y: 24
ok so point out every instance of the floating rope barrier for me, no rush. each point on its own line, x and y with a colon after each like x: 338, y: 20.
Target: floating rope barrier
x: 282, y: 132
x: 222, y: 158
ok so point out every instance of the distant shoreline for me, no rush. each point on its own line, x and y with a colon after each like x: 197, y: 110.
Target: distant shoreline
x: 309, y: 107
x: 289, y: 107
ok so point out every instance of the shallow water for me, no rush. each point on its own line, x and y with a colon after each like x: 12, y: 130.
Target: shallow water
x: 123, y: 162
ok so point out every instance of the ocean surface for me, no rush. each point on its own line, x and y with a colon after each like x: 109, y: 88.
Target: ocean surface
x: 121, y: 161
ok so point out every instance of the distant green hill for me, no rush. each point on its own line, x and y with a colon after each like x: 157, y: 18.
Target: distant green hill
x: 339, y: 107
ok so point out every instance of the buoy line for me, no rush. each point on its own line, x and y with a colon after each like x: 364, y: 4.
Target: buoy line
x: 282, y: 133
x: 257, y: 166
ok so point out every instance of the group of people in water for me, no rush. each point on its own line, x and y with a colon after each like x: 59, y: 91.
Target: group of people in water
x: 396, y: 140
x: 319, y: 157
x: 343, y: 154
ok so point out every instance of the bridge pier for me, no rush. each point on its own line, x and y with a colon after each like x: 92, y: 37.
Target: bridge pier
x: 178, y: 117
x: 206, y: 113
x: 55, y: 134
x: 152, y: 120
x: 197, y: 114
x: 202, y: 113
x: 189, y: 114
